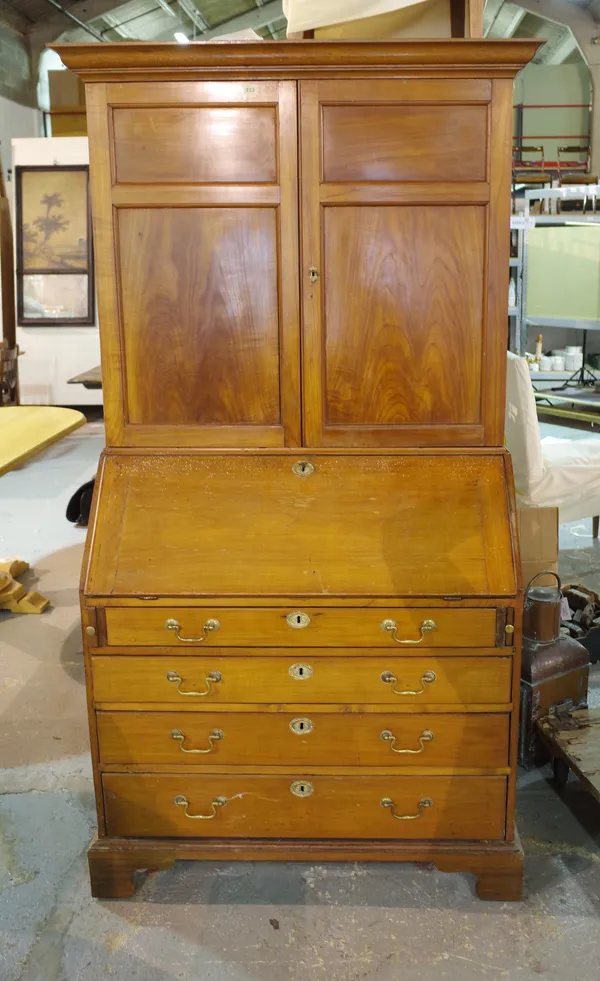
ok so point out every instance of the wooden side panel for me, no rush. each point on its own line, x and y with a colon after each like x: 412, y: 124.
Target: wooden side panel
x: 403, y: 345
x: 337, y: 807
x: 192, y: 144
x: 459, y: 741
x: 404, y: 142
x: 325, y: 680
x: 200, y: 315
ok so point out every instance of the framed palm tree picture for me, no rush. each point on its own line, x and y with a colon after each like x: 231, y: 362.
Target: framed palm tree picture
x: 55, y: 270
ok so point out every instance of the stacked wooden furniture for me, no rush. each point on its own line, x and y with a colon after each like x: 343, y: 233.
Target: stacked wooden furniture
x: 300, y: 596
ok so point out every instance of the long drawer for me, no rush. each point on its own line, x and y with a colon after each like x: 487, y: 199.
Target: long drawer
x: 388, y: 680
x: 302, y: 627
x: 188, y: 805
x: 324, y: 738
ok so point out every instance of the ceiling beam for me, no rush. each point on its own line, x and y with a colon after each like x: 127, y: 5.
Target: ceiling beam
x: 12, y: 17
x: 48, y: 28
x: 254, y: 19
x: 113, y: 21
x: 510, y: 27
x: 560, y: 51
x: 191, y: 11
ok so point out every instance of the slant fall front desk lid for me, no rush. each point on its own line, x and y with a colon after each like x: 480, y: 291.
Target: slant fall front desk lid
x: 240, y: 525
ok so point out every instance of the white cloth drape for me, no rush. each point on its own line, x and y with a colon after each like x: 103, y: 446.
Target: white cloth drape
x: 304, y: 15
x: 549, y: 473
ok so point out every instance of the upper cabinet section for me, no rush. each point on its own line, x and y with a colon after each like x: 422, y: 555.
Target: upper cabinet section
x: 302, y: 243
x: 196, y: 219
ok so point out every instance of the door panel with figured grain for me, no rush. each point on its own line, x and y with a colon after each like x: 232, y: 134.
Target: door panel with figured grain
x: 404, y: 142
x: 200, y: 315
x: 196, y: 231
x: 404, y: 345
x: 404, y: 217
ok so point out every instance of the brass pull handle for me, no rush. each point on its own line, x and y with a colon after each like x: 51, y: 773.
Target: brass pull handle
x: 427, y: 679
x: 425, y: 737
x: 174, y: 626
x: 181, y: 801
x: 423, y: 803
x: 392, y: 627
x: 211, y: 679
x: 213, y: 738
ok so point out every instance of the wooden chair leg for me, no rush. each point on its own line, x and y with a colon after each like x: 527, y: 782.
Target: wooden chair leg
x: 595, y: 525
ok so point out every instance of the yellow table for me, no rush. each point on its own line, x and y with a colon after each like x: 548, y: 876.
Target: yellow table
x: 28, y: 429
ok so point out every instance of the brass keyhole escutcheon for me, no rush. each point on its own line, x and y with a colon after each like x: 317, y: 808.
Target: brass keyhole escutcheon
x: 303, y: 468
x: 301, y: 727
x: 297, y: 620
x: 300, y: 672
x: 302, y: 788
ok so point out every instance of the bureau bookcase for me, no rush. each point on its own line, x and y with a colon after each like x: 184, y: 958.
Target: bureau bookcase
x: 301, y: 598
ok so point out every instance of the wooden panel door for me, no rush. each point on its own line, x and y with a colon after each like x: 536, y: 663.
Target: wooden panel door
x: 195, y: 217
x: 405, y: 207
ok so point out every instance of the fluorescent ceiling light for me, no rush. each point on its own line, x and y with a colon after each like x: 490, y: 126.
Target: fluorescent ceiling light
x: 181, y: 37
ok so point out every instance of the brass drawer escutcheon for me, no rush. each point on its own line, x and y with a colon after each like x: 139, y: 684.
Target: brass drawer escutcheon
x: 426, y: 737
x: 174, y: 626
x: 213, y: 738
x: 300, y: 671
x: 423, y: 803
x: 181, y: 801
x: 392, y: 627
x: 303, y: 468
x: 301, y: 727
x: 211, y: 679
x: 297, y: 620
x: 302, y: 788
x: 390, y: 679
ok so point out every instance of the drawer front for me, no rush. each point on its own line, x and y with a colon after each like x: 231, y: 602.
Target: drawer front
x: 398, y: 681
x: 190, y: 627
x: 328, y: 807
x: 323, y: 738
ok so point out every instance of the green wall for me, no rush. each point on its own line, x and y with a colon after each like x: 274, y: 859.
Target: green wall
x: 554, y: 85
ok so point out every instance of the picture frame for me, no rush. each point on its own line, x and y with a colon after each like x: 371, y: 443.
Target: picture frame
x: 55, y: 261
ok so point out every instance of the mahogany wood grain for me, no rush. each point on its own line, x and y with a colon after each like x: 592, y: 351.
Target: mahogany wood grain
x: 358, y: 526
x: 415, y: 192
x: 200, y: 323
x: 200, y: 328
x: 397, y: 360
x: 113, y: 861
x: 371, y: 142
x: 460, y: 742
x: 497, y: 271
x: 199, y: 195
x: 339, y: 807
x: 404, y: 345
x: 113, y: 388
x: 201, y: 144
x: 424, y: 90
x: 165, y: 61
x: 458, y: 680
x: 404, y: 187
x: 332, y: 627
x: 406, y: 708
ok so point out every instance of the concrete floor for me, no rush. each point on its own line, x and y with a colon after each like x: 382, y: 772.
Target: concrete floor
x: 242, y: 922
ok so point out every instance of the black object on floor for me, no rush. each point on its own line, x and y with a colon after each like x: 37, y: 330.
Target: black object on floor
x: 78, y: 508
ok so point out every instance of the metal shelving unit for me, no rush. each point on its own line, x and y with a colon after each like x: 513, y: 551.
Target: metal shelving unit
x: 521, y: 224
